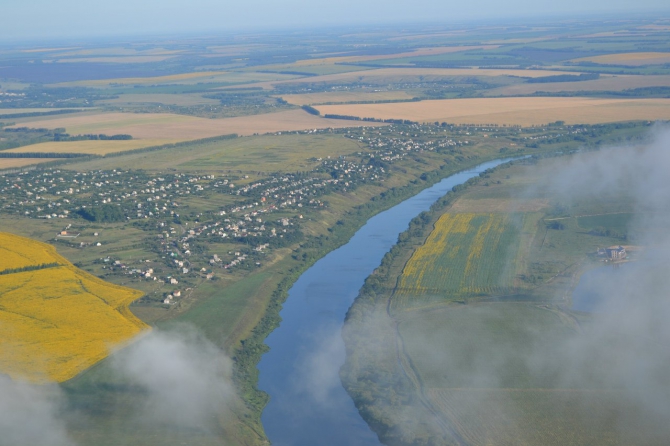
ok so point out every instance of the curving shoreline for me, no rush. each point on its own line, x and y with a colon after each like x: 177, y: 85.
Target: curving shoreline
x: 308, y: 404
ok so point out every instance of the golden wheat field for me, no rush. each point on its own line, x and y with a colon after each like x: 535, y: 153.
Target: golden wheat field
x: 57, y: 321
x: 176, y: 128
x: 524, y: 111
x: 93, y: 147
x: 12, y: 163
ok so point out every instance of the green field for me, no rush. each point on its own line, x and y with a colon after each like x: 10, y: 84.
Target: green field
x: 285, y: 153
x: 463, y: 256
x: 478, y: 334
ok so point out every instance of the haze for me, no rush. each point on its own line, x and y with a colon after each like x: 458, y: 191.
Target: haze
x: 44, y: 19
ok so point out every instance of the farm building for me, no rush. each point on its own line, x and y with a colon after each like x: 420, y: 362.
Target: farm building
x: 613, y: 252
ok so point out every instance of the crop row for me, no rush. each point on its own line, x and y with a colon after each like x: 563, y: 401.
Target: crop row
x: 465, y: 255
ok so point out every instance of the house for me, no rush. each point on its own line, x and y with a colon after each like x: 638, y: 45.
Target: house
x: 616, y: 252
x: 613, y: 252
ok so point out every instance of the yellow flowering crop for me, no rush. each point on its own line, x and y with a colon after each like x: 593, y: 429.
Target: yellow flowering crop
x: 464, y: 255
x: 18, y: 252
x: 56, y: 322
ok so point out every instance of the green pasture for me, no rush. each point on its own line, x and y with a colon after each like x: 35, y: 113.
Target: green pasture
x: 270, y: 153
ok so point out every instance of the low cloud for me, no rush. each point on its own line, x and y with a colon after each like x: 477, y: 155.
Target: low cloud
x: 29, y: 415
x: 186, y: 378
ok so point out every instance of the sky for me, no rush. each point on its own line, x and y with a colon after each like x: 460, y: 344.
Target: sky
x: 51, y: 19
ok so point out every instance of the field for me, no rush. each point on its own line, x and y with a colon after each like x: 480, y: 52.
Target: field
x: 93, y: 147
x: 414, y: 53
x: 605, y: 83
x: 12, y: 111
x: 512, y: 111
x: 632, y: 59
x: 19, y: 252
x: 528, y: 416
x: 493, y: 394
x: 410, y: 74
x: 225, y: 77
x: 463, y: 256
x: 11, y: 163
x: 345, y: 96
x: 266, y: 153
x: 58, y: 321
x: 182, y: 128
x: 184, y: 100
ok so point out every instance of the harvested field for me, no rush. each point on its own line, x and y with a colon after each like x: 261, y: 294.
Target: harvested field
x: 11, y: 163
x: 512, y: 111
x: 345, y: 96
x: 56, y: 322
x: 183, y: 128
x: 632, y: 59
x: 93, y: 147
x: 605, y: 83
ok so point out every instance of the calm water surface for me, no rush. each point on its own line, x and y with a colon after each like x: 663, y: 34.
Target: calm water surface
x: 308, y: 405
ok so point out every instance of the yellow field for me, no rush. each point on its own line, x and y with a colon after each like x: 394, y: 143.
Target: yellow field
x: 17, y: 252
x: 11, y: 163
x: 183, y: 128
x: 56, y: 322
x: 91, y: 147
x: 633, y: 59
x: 344, y: 96
x: 512, y: 111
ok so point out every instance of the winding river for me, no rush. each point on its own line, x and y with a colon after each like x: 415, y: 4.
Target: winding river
x: 308, y: 405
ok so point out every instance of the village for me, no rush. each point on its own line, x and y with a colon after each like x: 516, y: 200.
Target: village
x: 246, y: 216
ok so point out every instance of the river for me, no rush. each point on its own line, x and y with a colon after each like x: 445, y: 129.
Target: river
x: 308, y: 405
